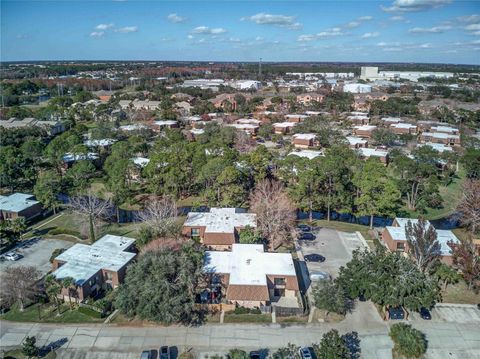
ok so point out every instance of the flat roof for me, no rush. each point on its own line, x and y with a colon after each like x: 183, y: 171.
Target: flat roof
x: 440, y: 147
x: 304, y: 136
x: 310, y: 154
x: 365, y: 127
x: 403, y: 125
x: 221, y: 220
x: 84, y: 261
x: 248, y: 264
x: 353, y: 140
x: 141, y: 161
x: 285, y: 124
x: 244, y: 126
x: 166, y: 122
x: 102, y: 142
x: 444, y: 129
x: 248, y: 121
x: 17, y: 202
x: 368, y: 152
x: 440, y: 135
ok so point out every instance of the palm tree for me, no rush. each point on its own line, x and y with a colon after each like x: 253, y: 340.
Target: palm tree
x: 53, y: 289
x: 447, y: 275
x: 68, y: 283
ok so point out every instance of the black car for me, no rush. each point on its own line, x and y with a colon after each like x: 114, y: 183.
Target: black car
x: 396, y: 313
x: 314, y: 258
x: 362, y: 298
x: 425, y: 314
x: 304, y: 228
x: 164, y: 352
x: 306, y: 237
x: 255, y: 355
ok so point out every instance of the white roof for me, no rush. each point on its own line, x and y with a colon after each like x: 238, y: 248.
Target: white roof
x: 102, y: 142
x: 443, y: 236
x: 403, y: 125
x: 284, y: 124
x: 440, y: 147
x: 440, y: 135
x: 197, y: 131
x: 244, y: 126
x: 358, y: 117
x: 444, y: 129
x: 358, y: 113
x: 304, y: 136
x: 248, y: 121
x: 312, y: 113
x: 132, y: 127
x: 193, y: 118
x: 310, y: 154
x: 17, y: 202
x: 141, y: 161
x: 165, y: 122
x: 84, y: 261
x: 221, y: 220
x: 72, y: 157
x: 293, y: 115
x: 369, y: 152
x: 365, y: 127
x: 249, y: 264
x: 353, y: 140
x: 391, y: 119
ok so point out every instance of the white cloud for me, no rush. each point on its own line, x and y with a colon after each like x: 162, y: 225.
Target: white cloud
x: 103, y: 26
x: 414, y: 5
x: 277, y: 20
x: 307, y: 38
x: 392, y: 49
x: 368, y: 35
x: 190, y: 36
x: 208, y: 31
x: 127, y: 29
x: 336, y: 31
x: 473, y: 27
x: 365, y: 18
x: 433, y: 30
x: 234, y: 39
x: 469, y: 18
x: 97, y: 34
x: 382, y: 44
x: 175, y: 18
x: 258, y: 38
x: 352, y: 24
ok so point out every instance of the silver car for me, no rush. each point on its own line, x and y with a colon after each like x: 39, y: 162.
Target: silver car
x: 12, y: 256
x: 319, y: 275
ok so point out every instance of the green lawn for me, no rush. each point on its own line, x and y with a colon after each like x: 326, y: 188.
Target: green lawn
x: 18, y: 354
x: 342, y: 227
x: 48, y: 314
x: 247, y: 318
x: 459, y: 293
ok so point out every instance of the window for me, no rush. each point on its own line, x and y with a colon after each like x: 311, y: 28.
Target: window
x: 279, y: 281
x: 401, y: 247
x: 195, y: 232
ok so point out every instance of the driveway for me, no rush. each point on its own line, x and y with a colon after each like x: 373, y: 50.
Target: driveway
x: 36, y: 252
x: 335, y: 246
x: 452, y: 313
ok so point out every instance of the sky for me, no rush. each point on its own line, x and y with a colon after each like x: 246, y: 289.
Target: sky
x: 440, y: 31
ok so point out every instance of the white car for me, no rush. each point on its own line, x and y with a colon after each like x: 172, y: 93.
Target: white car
x: 12, y: 256
x: 305, y: 353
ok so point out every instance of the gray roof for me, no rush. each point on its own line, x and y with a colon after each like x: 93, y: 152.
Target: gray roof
x: 17, y: 202
x: 221, y: 220
x: 83, y: 261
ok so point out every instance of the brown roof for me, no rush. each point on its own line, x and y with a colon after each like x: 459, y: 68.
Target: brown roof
x: 248, y: 292
x: 218, y: 238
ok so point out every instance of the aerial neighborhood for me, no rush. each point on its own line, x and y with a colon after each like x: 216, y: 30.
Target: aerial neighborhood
x: 322, y: 201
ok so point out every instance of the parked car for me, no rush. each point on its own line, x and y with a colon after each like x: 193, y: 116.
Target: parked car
x: 425, y: 314
x: 304, y: 227
x: 146, y: 354
x: 305, y: 353
x: 306, y: 237
x: 396, y: 313
x: 319, y: 275
x: 362, y: 298
x: 314, y: 258
x: 260, y: 140
x: 164, y: 353
x: 255, y: 355
x: 12, y: 256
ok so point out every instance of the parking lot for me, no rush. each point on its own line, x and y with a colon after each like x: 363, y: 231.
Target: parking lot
x: 336, y: 247
x: 35, y: 252
x: 452, y: 313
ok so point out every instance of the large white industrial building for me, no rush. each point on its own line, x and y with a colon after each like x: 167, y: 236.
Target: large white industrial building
x: 357, y: 88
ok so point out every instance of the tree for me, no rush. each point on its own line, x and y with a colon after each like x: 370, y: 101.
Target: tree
x: 92, y: 210
x: 446, y: 274
x: 160, y: 217
x: 376, y: 193
x: 69, y: 284
x: 80, y: 174
x: 288, y: 352
x: 423, y: 245
x: 19, y: 284
x: 383, y: 136
x: 275, y: 212
x: 249, y: 235
x: 53, y: 289
x: 332, y: 346
x: 237, y: 354
x: 388, y: 279
x: 467, y: 259
x: 162, y: 285
x: 469, y: 207
x: 408, y: 341
x: 29, y: 347
x: 47, y: 188
x: 12, y: 230
x: 331, y: 297
x: 471, y: 160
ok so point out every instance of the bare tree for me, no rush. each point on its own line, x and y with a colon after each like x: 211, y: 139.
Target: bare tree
x: 275, y: 212
x: 91, y: 210
x: 423, y: 245
x: 160, y: 215
x: 469, y: 207
x: 244, y: 142
x: 466, y: 258
x: 19, y: 284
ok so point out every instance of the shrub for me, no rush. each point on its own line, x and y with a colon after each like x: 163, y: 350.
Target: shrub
x: 56, y: 252
x: 29, y: 347
x: 237, y: 354
x: 243, y: 310
x: 186, y: 355
x: 61, y: 230
x: 408, y: 341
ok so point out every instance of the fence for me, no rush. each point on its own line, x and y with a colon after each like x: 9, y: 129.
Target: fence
x: 288, y: 311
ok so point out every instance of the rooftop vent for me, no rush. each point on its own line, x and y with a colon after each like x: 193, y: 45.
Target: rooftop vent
x: 249, y: 261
